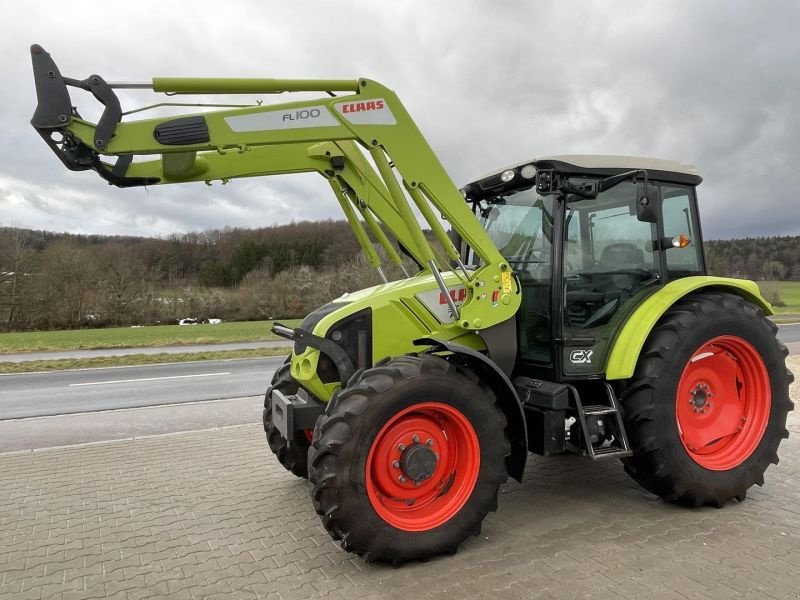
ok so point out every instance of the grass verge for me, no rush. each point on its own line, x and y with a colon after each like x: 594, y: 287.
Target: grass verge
x: 138, y: 337
x: 787, y: 291
x: 134, y: 360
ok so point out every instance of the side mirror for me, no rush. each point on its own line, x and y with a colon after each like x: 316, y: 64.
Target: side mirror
x: 646, y: 203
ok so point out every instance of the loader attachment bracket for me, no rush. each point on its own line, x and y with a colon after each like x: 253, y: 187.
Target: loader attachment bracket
x: 54, y: 107
x: 54, y: 111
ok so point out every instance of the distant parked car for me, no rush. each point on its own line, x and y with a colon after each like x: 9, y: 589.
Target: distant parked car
x: 196, y: 321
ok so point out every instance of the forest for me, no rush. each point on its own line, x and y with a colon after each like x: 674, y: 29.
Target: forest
x: 61, y: 281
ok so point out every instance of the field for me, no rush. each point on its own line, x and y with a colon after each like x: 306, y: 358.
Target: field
x: 129, y: 337
x: 250, y: 331
x: 787, y: 291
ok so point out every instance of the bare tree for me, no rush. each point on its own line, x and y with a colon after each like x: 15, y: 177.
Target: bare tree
x: 66, y: 282
x: 15, y: 262
x: 122, y: 282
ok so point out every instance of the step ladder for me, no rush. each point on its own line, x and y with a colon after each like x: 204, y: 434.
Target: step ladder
x: 616, y: 448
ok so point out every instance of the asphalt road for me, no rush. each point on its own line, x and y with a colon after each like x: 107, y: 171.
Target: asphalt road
x: 789, y: 334
x: 69, y: 392
x: 90, y: 390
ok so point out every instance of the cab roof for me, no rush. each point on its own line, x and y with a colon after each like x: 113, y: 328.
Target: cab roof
x: 601, y: 165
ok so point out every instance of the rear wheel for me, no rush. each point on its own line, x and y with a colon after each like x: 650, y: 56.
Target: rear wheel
x: 409, y: 459
x: 293, y: 457
x: 706, y: 408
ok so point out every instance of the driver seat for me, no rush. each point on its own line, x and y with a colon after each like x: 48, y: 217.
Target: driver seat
x: 620, y: 256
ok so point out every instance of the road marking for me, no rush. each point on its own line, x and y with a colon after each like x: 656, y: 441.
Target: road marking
x: 147, y: 379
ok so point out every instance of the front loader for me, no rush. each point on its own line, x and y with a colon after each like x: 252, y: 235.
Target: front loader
x: 568, y: 309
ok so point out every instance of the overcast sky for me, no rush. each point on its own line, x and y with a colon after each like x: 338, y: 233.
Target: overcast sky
x: 713, y: 83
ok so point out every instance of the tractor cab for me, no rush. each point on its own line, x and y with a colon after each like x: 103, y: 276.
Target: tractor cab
x: 589, y: 243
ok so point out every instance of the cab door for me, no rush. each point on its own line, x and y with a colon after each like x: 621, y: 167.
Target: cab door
x: 610, y: 264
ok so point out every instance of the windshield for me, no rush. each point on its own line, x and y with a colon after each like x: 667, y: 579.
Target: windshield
x: 520, y: 223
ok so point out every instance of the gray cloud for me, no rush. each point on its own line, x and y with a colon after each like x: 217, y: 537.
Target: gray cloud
x: 713, y: 83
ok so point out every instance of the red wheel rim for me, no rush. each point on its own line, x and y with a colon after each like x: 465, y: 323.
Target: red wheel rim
x: 435, y: 443
x: 723, y: 403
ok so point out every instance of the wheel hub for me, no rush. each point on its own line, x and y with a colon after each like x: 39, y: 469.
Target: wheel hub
x: 699, y: 399
x: 418, y: 462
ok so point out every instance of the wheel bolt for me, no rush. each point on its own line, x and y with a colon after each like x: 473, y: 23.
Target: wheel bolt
x: 396, y: 464
x: 402, y: 479
x: 415, y: 438
x: 429, y: 442
x: 401, y: 447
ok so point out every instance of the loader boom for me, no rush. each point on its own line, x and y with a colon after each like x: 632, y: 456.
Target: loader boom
x: 323, y: 135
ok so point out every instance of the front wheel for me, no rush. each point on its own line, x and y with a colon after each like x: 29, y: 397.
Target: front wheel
x: 409, y: 459
x: 291, y: 456
x: 706, y: 408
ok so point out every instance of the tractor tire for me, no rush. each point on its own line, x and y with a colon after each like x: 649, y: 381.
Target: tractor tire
x: 293, y: 457
x: 408, y: 460
x: 706, y: 408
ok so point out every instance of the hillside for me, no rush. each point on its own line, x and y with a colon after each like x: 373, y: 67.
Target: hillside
x: 58, y: 280
x: 52, y: 281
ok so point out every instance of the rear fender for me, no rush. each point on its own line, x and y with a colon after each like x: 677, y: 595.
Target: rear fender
x: 631, y: 338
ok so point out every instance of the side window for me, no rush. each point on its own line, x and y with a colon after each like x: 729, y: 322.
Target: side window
x: 679, y: 220
x: 608, y: 259
x: 603, y: 234
x: 620, y: 241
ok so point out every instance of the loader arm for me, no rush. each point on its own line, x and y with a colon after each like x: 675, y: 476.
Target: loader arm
x: 288, y: 138
x: 340, y: 163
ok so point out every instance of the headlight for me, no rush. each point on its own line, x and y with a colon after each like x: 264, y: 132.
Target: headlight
x: 507, y: 175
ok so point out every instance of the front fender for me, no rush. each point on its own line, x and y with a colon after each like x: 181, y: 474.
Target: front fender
x: 507, y: 397
x: 631, y: 338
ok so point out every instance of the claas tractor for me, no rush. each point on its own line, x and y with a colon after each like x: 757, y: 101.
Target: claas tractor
x: 560, y: 305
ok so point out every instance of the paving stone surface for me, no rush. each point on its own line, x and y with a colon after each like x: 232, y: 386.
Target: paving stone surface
x: 211, y: 515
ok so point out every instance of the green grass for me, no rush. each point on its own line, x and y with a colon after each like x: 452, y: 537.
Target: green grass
x: 787, y: 291
x: 127, y: 337
x: 33, y: 366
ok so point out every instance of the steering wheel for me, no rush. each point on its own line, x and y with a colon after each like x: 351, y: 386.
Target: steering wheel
x: 602, y: 313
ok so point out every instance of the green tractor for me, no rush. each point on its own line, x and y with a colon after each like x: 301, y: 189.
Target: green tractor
x: 568, y: 309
